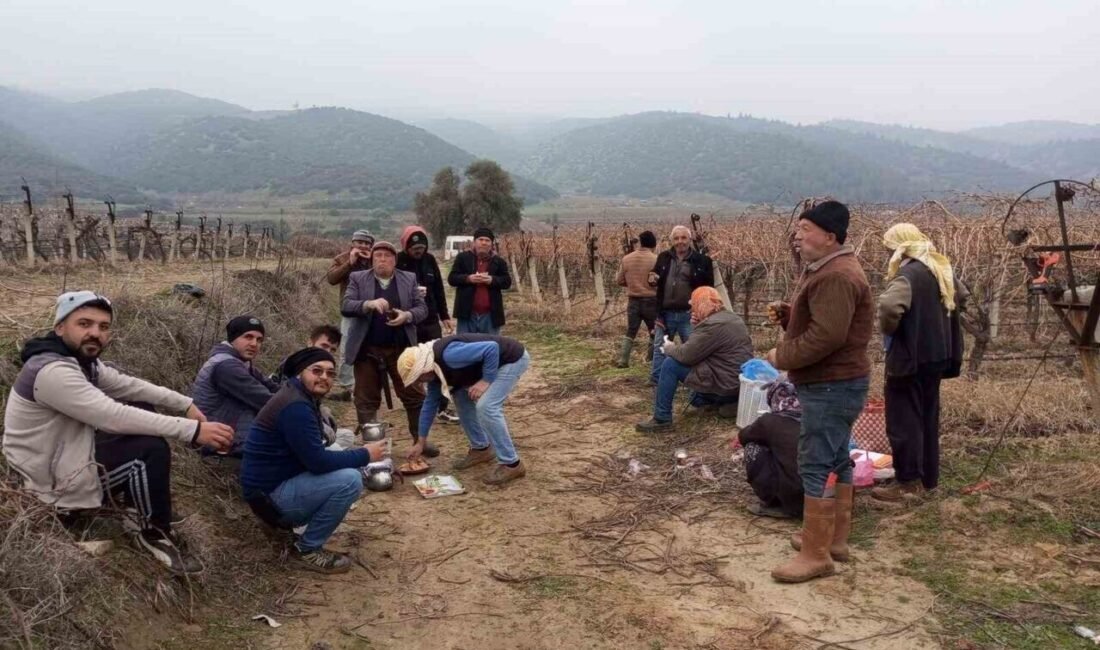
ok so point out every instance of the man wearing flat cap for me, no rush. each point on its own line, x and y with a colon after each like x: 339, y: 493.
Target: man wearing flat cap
x: 228, y: 388
x: 385, y: 307
x: 357, y: 258
x: 479, y: 276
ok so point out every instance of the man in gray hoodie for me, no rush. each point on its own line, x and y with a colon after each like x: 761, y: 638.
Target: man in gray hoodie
x: 72, y: 441
x: 228, y: 388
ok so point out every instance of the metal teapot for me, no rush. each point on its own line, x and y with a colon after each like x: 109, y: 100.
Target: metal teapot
x: 379, y: 475
x: 373, y: 431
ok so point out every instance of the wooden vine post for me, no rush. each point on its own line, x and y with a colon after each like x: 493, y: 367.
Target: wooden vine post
x: 563, y: 284
x: 28, y: 222
x: 143, y: 235
x: 70, y: 225
x: 595, y: 265
x: 199, y: 237
x: 112, y: 237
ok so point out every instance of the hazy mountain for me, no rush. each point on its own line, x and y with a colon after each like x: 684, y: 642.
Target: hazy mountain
x: 369, y: 160
x: 49, y: 176
x: 478, y: 139
x: 654, y: 154
x: 1036, y: 132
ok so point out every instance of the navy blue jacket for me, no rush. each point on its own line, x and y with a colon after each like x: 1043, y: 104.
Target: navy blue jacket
x: 286, y: 440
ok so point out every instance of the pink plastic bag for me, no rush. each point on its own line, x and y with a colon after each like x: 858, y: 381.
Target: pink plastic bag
x: 864, y: 473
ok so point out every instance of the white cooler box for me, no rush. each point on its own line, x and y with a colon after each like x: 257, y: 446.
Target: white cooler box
x: 752, y: 401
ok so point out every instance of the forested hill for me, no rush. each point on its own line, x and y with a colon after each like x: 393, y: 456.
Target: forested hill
x: 655, y: 154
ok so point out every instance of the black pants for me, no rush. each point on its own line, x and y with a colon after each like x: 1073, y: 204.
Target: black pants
x: 913, y: 426
x: 431, y: 330
x: 639, y: 310
x: 136, y: 471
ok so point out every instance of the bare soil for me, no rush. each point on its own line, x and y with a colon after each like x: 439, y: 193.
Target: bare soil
x: 513, y: 567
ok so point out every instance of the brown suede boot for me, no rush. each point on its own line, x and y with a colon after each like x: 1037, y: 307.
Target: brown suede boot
x: 907, y: 491
x: 813, y: 559
x: 845, y: 494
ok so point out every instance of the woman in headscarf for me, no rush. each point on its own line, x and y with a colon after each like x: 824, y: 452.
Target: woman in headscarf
x: 919, y: 316
x: 708, y: 363
x: 478, y: 372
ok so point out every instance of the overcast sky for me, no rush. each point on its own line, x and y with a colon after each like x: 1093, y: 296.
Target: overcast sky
x: 949, y: 64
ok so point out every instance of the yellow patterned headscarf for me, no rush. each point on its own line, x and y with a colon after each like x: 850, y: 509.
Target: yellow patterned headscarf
x: 906, y: 240
x: 418, y: 360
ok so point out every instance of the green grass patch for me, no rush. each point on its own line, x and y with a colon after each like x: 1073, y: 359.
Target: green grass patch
x: 550, y: 587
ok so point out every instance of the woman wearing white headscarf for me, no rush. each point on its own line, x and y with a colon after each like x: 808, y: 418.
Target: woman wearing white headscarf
x: 919, y: 317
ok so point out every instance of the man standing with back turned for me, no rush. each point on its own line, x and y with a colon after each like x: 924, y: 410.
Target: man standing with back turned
x: 641, y: 303
x: 824, y: 351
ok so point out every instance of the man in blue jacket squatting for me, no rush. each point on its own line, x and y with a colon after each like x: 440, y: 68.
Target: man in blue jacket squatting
x: 478, y: 372
x: 286, y: 463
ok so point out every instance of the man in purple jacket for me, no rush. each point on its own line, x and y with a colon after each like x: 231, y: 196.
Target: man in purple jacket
x: 228, y: 388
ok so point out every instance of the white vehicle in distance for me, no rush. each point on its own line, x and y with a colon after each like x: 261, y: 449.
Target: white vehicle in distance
x: 455, y: 244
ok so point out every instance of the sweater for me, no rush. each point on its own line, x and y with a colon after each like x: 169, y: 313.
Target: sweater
x: 465, y: 264
x: 362, y: 287
x: 54, y: 409
x: 717, y: 348
x: 830, y: 324
x: 634, y: 273
x: 286, y: 440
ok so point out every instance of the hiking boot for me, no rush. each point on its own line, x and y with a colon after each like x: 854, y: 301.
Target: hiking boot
x: 761, y: 510
x: 501, y: 474
x: 898, y: 492
x: 625, y: 346
x: 320, y: 560
x: 448, y: 417
x: 474, y: 457
x: 705, y: 409
x: 169, y: 551
x: 813, y: 560
x: 653, y: 425
x: 842, y: 526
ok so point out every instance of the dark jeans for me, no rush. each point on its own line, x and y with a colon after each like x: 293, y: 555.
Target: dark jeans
x: 673, y: 373
x: 368, y: 386
x: 638, y: 311
x: 829, y: 409
x: 672, y: 323
x: 136, y: 469
x: 913, y: 426
x: 431, y: 330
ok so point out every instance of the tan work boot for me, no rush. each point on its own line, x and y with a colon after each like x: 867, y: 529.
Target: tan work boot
x: 813, y: 560
x: 501, y: 474
x: 898, y: 492
x: 474, y: 457
x: 842, y: 526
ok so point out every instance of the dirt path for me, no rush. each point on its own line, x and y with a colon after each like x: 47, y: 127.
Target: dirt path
x: 439, y: 569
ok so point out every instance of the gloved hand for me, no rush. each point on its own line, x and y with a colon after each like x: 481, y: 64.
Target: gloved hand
x: 665, y: 344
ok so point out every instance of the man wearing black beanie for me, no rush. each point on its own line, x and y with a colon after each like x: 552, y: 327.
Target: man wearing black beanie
x: 824, y: 351
x: 641, y: 303
x: 228, y: 388
x: 479, y: 278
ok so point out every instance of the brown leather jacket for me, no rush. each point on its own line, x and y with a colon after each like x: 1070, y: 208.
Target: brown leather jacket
x: 342, y: 268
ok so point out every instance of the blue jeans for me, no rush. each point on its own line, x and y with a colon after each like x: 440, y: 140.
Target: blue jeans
x: 675, y: 322
x: 347, y: 373
x: 483, y: 420
x: 318, y: 500
x: 674, y: 373
x: 829, y: 409
x: 477, y: 324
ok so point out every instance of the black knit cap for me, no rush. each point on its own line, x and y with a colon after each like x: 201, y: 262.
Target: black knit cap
x: 242, y: 324
x: 304, y: 358
x: 416, y: 238
x: 830, y: 216
x: 484, y: 232
x: 647, y: 239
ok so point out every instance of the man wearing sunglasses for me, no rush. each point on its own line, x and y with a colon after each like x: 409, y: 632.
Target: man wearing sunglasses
x: 287, y: 469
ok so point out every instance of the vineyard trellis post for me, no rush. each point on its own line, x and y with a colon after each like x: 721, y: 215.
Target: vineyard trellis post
x: 70, y: 225
x: 563, y: 284
x: 28, y: 222
x: 112, y: 241
x: 595, y: 265
x: 199, y: 237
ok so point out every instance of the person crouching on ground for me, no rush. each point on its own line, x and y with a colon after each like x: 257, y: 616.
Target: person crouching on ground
x: 286, y: 462
x: 75, y: 445
x: 479, y: 371
x: 824, y: 350
x: 326, y: 337
x: 919, y: 317
x: 708, y: 363
x: 228, y: 387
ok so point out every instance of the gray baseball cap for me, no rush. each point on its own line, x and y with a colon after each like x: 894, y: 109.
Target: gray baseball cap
x: 70, y: 301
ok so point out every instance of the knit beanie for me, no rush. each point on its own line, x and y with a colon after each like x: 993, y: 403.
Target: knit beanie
x: 304, y: 358
x: 242, y: 324
x: 415, y: 238
x: 362, y: 235
x: 830, y: 216
x: 383, y: 246
x: 647, y: 239
x: 484, y: 232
